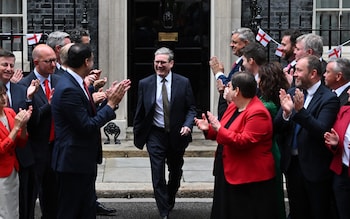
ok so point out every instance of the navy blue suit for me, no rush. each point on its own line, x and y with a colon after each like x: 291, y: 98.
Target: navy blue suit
x: 39, y: 127
x: 236, y: 67
x: 309, y: 171
x: 163, y: 146
x: 77, y: 149
x: 222, y: 104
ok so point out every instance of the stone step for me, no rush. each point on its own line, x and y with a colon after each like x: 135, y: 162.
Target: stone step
x: 196, y: 134
x: 126, y: 148
x: 199, y: 147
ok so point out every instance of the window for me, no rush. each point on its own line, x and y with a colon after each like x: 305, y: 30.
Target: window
x: 13, y: 14
x: 333, y: 21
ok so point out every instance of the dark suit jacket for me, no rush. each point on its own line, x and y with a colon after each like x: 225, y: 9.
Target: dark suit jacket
x: 77, y: 147
x: 18, y: 91
x: 235, y: 68
x: 59, y: 71
x: 314, y: 158
x: 39, y: 124
x: 340, y: 126
x: 182, y: 110
x: 344, y: 96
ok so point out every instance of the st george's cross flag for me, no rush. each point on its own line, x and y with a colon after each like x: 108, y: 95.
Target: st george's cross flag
x: 335, y: 52
x: 263, y: 37
x: 33, y: 38
x: 279, y: 50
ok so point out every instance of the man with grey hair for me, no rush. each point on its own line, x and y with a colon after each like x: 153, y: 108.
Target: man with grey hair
x: 310, y: 44
x: 163, y: 121
x: 56, y: 41
x: 337, y: 78
x: 239, y: 39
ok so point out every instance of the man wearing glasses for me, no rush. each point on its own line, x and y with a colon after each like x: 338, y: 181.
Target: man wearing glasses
x: 40, y: 130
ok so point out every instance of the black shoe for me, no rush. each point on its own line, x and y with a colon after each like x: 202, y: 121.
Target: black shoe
x: 103, y: 210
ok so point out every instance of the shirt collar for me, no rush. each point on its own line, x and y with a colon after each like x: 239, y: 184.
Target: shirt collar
x: 312, y: 90
x: 167, y: 78
x: 75, y: 76
x: 340, y: 90
x: 40, y: 77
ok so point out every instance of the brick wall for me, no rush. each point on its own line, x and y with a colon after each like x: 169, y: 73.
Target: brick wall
x: 41, y: 19
x: 280, y: 17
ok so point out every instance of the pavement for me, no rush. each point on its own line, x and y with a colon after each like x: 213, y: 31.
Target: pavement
x: 125, y: 171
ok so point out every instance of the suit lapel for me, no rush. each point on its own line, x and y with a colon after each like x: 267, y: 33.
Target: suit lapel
x: 174, y: 84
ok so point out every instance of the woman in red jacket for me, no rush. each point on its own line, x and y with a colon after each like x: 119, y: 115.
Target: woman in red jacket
x: 338, y: 141
x: 244, y: 166
x: 12, y: 133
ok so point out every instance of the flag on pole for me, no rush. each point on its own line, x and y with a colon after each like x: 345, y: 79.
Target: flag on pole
x: 279, y: 50
x: 263, y: 37
x: 33, y: 38
x: 335, y: 52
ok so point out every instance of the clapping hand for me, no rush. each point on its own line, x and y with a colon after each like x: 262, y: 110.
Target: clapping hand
x: 203, y: 123
x: 331, y: 138
x: 22, y: 117
x: 117, y: 91
x: 33, y: 88
x: 286, y: 101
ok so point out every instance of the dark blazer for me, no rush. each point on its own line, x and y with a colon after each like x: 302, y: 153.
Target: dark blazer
x: 39, y: 124
x: 235, y: 68
x: 18, y: 91
x: 77, y: 147
x: 344, y: 96
x: 59, y: 71
x: 314, y: 158
x: 182, y: 110
x: 340, y: 126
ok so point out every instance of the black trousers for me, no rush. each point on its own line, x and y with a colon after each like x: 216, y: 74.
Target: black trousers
x: 307, y: 200
x: 162, y: 151
x: 76, y: 196
x: 27, y: 195
x: 341, y: 188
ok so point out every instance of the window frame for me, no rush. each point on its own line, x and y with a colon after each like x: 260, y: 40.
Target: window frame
x: 340, y: 10
x: 22, y: 54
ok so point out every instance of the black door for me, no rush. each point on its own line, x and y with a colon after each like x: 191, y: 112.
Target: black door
x: 183, y: 26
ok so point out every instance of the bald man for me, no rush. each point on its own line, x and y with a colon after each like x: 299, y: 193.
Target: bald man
x: 40, y: 130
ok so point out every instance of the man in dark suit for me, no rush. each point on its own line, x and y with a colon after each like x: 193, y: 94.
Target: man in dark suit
x: 77, y: 149
x: 17, y: 95
x: 41, y: 136
x: 239, y: 39
x: 337, y: 78
x: 163, y: 121
x: 304, y: 158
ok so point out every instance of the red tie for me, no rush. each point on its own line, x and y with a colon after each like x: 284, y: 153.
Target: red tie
x: 47, y: 89
x: 89, y: 97
x: 48, y: 94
